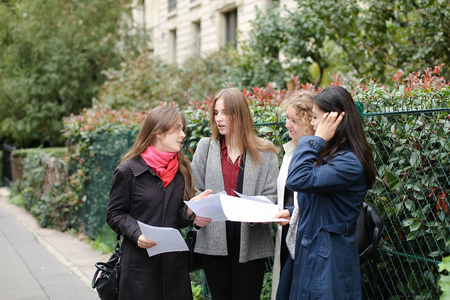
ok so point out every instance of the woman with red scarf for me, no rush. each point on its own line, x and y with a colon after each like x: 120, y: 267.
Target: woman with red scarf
x: 162, y: 180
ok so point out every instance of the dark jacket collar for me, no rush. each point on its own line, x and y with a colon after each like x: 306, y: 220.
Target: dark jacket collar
x: 138, y: 166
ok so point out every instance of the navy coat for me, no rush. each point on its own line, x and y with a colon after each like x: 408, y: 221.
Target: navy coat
x: 330, y: 197
x: 164, y: 276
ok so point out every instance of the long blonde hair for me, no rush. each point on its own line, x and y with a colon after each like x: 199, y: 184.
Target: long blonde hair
x: 241, y: 124
x: 159, y: 121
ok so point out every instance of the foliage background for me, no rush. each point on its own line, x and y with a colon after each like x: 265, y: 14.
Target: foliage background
x: 51, y: 66
x: 361, y: 39
x: 411, y: 152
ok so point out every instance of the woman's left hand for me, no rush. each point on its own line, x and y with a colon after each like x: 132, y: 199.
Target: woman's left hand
x: 283, y: 214
x: 328, y: 125
x: 201, y: 221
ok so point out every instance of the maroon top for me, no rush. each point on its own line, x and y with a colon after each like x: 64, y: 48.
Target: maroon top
x: 230, y: 170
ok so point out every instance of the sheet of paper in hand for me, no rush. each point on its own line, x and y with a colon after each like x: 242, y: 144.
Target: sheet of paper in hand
x: 222, y: 207
x: 167, y: 239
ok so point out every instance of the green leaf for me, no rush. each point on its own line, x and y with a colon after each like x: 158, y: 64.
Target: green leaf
x: 266, y: 129
x: 414, y: 226
x: 444, y: 280
x: 408, y: 222
x: 414, y: 159
x: 411, y: 236
x: 409, y: 204
x: 392, y: 180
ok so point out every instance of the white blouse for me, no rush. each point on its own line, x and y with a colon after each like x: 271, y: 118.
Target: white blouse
x: 281, y: 184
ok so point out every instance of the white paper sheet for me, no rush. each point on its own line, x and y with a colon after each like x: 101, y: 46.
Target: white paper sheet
x: 221, y: 207
x: 262, y: 199
x: 167, y: 239
x: 210, y: 207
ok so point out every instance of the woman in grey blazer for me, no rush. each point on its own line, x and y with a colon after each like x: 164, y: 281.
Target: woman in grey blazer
x: 234, y: 159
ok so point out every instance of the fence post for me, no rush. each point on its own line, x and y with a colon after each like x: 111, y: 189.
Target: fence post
x: 6, y: 164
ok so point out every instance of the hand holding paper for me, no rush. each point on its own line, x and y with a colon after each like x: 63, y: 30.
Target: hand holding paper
x: 144, y: 243
x: 222, y: 207
x: 205, y: 193
x: 285, y: 215
x: 167, y: 239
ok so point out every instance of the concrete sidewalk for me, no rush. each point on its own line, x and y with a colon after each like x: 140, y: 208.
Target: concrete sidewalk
x: 38, y: 263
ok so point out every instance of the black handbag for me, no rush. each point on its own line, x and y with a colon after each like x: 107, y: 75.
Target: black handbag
x: 194, y: 263
x: 369, y: 229
x: 107, y: 283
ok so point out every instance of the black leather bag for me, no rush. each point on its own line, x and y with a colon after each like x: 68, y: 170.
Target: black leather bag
x: 194, y: 263
x: 107, y: 283
x: 369, y: 229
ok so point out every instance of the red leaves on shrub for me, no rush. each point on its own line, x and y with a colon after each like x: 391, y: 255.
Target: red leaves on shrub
x: 442, y: 202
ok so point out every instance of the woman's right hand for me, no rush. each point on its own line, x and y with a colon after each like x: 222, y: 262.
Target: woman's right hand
x: 204, y: 194
x: 144, y: 243
x: 202, y: 221
x: 328, y: 125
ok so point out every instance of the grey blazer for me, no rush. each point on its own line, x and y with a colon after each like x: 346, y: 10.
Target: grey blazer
x: 256, y: 239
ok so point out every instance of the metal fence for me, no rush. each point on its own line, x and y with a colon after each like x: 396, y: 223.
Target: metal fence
x: 411, y: 150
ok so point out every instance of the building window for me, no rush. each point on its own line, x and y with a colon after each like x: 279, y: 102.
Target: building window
x: 173, y: 45
x: 172, y: 5
x: 197, y: 38
x: 231, y: 28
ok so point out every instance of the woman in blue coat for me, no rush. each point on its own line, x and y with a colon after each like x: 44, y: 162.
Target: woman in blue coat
x: 331, y: 172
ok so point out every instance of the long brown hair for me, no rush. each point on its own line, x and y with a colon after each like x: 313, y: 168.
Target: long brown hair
x: 241, y: 124
x: 349, y: 133
x: 161, y: 120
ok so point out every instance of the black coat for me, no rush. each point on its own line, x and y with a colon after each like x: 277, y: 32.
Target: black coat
x: 164, y: 276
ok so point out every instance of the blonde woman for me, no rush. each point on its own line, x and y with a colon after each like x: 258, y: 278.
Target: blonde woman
x: 298, y: 109
x: 234, y: 159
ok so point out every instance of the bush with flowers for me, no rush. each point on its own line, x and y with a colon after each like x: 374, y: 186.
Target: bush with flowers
x: 407, y: 124
x: 411, y: 153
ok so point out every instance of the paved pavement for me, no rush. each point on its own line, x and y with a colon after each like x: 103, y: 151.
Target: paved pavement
x: 38, y: 263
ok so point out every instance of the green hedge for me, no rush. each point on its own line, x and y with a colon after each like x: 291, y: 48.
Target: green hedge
x: 407, y: 125
x: 41, y: 185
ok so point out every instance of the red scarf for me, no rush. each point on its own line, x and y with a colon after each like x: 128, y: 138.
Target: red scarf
x: 165, y: 164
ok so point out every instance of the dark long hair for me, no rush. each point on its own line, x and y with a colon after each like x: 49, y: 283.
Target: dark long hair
x: 350, y: 133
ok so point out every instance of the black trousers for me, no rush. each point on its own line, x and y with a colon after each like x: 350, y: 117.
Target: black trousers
x: 230, y: 280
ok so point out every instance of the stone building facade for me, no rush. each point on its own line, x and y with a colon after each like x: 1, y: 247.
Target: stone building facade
x: 182, y: 28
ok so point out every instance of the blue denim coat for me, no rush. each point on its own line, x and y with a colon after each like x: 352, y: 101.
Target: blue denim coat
x: 330, y: 197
